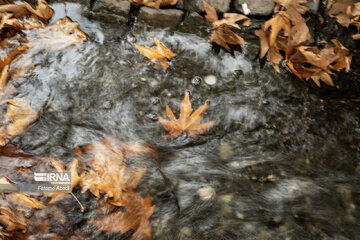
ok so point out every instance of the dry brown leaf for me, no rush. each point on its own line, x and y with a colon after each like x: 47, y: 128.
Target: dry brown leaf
x: 223, y: 36
x: 311, y: 62
x: 339, y: 11
x: 21, y: 115
x: 222, y: 33
x: 211, y: 15
x: 187, y: 123
x: 154, y: 3
x: 347, y: 13
x: 42, y: 11
x: 280, y: 22
x: 135, y: 217
x: 294, y: 4
x: 287, y: 35
x: 161, y: 55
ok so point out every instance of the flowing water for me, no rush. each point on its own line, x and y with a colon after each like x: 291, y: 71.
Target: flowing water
x: 281, y: 162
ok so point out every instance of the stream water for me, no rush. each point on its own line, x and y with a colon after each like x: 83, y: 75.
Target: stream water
x: 282, y: 158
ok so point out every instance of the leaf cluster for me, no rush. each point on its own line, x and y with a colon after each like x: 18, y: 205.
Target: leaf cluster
x: 222, y: 33
x: 286, y: 36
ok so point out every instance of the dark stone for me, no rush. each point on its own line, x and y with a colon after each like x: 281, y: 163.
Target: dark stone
x: 120, y: 7
x: 197, y: 5
x: 160, y: 17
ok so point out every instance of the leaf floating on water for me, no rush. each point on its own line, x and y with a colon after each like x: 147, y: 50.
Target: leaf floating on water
x: 187, y: 123
x: 161, y: 55
x: 21, y: 114
x: 222, y: 33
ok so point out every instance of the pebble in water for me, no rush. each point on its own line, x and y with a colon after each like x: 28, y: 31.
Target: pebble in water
x: 155, y: 100
x: 210, y: 79
x: 206, y: 193
x: 196, y: 81
x: 152, y: 116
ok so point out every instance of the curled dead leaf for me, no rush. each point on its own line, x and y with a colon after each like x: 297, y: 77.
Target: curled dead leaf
x: 222, y: 33
x: 161, y: 55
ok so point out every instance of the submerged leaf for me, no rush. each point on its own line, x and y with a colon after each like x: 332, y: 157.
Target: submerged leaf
x: 21, y: 114
x: 135, y: 217
x: 187, y: 123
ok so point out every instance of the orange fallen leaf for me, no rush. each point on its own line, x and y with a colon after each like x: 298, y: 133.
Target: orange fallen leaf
x: 134, y: 217
x: 187, y: 123
x: 21, y: 115
x: 222, y: 33
x: 161, y: 55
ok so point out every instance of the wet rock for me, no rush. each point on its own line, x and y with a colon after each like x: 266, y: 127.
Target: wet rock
x: 120, y: 7
x: 194, y: 19
x: 206, y: 193
x: 313, y: 5
x: 197, y: 5
x: 160, y: 17
x: 256, y: 7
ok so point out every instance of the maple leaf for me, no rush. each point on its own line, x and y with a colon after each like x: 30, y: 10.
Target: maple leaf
x: 222, y: 33
x: 21, y: 114
x: 161, y: 55
x: 294, y: 4
x: 154, y: 3
x: 187, y: 123
x: 110, y: 173
x: 311, y: 62
x: 135, y: 217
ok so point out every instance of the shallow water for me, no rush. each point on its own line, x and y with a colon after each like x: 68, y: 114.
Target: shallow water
x: 283, y: 160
